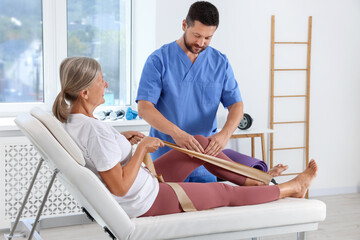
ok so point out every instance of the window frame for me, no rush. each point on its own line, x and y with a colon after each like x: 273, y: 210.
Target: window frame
x: 54, y: 19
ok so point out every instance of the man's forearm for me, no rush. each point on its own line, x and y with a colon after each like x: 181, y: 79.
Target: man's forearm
x: 236, y: 112
x: 150, y: 114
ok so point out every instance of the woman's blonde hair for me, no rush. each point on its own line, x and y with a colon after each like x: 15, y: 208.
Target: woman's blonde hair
x: 76, y: 74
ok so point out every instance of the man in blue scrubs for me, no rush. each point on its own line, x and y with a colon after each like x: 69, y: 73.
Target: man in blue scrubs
x: 182, y: 85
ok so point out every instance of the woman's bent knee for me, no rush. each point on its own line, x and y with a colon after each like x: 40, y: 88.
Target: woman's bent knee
x: 204, y: 141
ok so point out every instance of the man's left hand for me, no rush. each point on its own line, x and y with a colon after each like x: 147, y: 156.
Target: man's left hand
x: 217, y: 143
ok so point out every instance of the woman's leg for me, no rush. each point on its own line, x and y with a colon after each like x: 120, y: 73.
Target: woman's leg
x: 175, y: 166
x: 213, y: 195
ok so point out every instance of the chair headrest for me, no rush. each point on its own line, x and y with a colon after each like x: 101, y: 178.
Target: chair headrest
x: 58, y: 131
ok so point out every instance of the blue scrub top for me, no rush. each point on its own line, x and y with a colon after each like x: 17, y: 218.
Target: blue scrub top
x: 188, y: 94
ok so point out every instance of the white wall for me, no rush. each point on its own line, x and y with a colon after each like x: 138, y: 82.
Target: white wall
x: 244, y: 35
x: 143, y: 33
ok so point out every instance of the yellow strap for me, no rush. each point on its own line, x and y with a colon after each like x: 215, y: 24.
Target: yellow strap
x: 150, y: 165
x: 184, y: 200
x: 231, y: 166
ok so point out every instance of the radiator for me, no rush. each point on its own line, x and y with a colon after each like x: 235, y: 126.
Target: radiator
x: 18, y: 161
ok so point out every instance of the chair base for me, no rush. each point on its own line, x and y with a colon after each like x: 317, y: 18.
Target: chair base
x: 24, y: 226
x: 23, y: 229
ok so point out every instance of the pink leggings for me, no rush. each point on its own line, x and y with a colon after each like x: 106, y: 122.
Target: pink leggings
x: 176, y: 166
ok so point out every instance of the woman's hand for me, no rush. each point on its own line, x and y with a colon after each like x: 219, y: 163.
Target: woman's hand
x: 151, y: 144
x: 133, y: 136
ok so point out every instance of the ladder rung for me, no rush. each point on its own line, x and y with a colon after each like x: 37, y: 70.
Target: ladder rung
x: 289, y: 122
x: 291, y: 42
x: 290, y: 69
x: 290, y: 148
x: 281, y: 96
x: 289, y: 174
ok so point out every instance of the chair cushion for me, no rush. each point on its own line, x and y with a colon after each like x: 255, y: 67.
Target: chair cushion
x: 58, y: 131
x: 283, y: 212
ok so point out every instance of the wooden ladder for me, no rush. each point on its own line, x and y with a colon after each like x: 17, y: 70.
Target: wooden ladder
x: 306, y: 96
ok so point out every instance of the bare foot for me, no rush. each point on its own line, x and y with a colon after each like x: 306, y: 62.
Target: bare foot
x: 298, y: 186
x: 303, y: 181
x: 277, y: 170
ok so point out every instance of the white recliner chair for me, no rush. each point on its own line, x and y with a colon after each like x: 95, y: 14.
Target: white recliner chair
x: 288, y: 215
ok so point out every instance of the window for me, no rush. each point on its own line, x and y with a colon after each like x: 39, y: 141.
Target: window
x: 21, y: 51
x: 98, y: 29
x: 36, y: 35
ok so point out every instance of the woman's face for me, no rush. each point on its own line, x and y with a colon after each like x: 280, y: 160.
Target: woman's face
x: 97, y: 90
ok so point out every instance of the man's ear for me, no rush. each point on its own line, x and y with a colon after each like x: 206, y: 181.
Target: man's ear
x: 184, y: 25
x: 84, y: 93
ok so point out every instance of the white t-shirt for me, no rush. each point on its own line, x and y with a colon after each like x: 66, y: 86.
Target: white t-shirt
x: 103, y: 147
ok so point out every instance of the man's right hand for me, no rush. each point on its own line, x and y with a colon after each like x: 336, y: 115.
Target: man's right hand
x: 185, y: 140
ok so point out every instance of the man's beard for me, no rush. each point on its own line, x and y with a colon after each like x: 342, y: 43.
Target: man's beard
x: 190, y: 47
